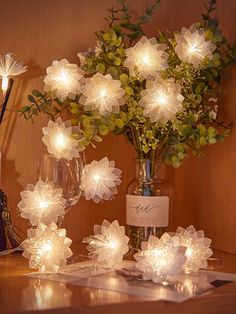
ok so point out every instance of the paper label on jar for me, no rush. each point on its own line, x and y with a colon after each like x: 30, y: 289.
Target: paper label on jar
x: 147, y: 211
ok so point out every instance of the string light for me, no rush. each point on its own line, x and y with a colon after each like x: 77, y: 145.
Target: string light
x: 47, y: 248
x: 108, y: 244
x: 161, y: 100
x: 146, y: 59
x: 102, y: 93
x: 9, y: 67
x: 41, y: 203
x: 160, y: 259
x: 63, y: 79
x: 192, y: 46
x: 197, y: 248
x: 59, y: 141
x: 100, y: 179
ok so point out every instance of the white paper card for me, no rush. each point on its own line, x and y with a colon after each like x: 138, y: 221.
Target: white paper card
x: 147, y: 211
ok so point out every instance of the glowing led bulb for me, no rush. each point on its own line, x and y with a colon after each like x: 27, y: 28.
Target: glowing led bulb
x: 60, y: 141
x: 146, y: 59
x: 193, y: 47
x: 4, y: 83
x: 103, y: 93
x: 43, y: 204
x: 58, y: 138
x: 63, y: 77
x: 108, y: 244
x: 46, y: 248
x: 100, y: 179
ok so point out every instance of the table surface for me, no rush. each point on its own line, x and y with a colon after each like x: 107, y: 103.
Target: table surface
x: 27, y: 294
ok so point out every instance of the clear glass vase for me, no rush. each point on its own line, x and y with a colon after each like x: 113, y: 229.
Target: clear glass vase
x: 147, y: 209
x: 64, y: 174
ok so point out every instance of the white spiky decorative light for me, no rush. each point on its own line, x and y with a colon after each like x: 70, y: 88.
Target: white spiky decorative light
x: 47, y: 248
x: 197, y: 248
x: 63, y: 79
x: 146, y: 59
x: 193, y: 47
x: 102, y: 93
x: 161, y: 100
x: 109, y: 243
x: 100, y: 179
x: 58, y: 137
x: 41, y: 203
x: 8, y: 68
x: 160, y: 259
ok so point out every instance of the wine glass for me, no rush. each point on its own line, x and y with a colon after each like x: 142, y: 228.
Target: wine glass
x: 64, y: 174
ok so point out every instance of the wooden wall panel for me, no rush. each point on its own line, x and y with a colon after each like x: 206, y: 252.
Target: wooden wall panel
x: 39, y: 31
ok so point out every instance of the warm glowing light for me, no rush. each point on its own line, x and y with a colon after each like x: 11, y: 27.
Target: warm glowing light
x: 59, y: 141
x: 47, y: 248
x: 146, y: 59
x: 5, y: 81
x: 193, y: 47
x: 41, y: 203
x: 161, y: 100
x: 63, y: 79
x: 108, y: 244
x: 102, y: 93
x: 100, y: 179
x: 160, y: 259
x: 197, y: 248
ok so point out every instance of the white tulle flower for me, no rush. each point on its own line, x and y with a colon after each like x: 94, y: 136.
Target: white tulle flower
x: 193, y: 47
x: 160, y: 259
x: 47, y: 248
x: 161, y: 100
x: 108, y: 244
x: 146, y: 59
x: 9, y: 67
x: 63, y: 79
x: 197, y: 248
x: 41, y: 203
x: 59, y: 141
x: 99, y: 180
x: 103, y: 93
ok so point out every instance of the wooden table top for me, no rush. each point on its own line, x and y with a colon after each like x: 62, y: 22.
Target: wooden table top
x: 26, y: 294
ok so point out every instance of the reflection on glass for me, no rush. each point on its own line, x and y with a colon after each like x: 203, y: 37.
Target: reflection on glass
x: 42, y: 294
x: 64, y: 174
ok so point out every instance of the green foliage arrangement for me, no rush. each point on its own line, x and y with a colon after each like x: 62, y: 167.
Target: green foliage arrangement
x: 170, y: 140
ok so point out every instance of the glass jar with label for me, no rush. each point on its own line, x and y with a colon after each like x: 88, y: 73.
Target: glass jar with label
x: 147, y: 210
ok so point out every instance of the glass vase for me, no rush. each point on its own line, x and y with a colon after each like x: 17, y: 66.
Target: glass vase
x: 63, y: 174
x: 147, y: 209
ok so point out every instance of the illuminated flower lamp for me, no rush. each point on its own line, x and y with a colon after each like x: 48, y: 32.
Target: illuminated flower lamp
x: 193, y: 47
x: 63, y: 79
x: 161, y: 100
x: 146, y: 59
x: 108, y: 244
x: 100, y: 179
x: 102, y: 93
x: 58, y: 138
x: 41, y: 203
x: 197, y: 248
x: 47, y: 248
x: 160, y: 259
x: 8, y: 68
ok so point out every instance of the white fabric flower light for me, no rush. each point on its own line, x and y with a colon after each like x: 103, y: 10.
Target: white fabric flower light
x: 197, y: 248
x: 102, y: 93
x: 41, y: 203
x: 146, y: 59
x: 63, y: 79
x: 161, y: 100
x: 9, y: 67
x: 108, y: 244
x: 193, y: 47
x: 47, y: 248
x: 58, y: 139
x: 100, y: 179
x: 160, y: 259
